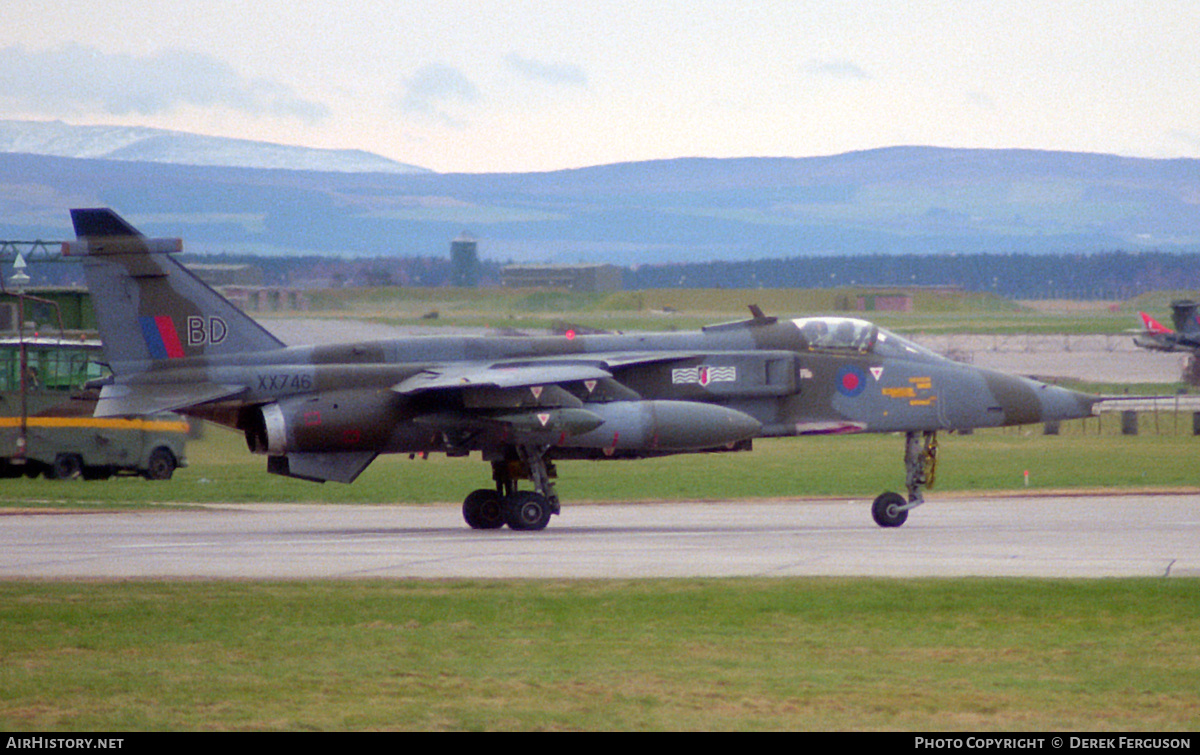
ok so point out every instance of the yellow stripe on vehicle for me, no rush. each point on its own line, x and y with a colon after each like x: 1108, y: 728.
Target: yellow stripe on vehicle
x: 150, y: 425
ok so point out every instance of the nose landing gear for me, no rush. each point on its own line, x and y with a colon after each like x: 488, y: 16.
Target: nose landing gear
x: 920, y: 464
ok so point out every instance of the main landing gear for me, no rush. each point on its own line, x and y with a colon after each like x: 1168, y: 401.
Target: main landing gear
x: 920, y: 464
x: 523, y: 510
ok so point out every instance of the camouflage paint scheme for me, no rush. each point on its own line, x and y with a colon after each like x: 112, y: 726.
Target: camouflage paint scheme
x: 1184, y: 337
x: 325, y: 412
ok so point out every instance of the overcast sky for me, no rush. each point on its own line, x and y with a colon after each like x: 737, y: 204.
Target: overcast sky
x: 515, y: 85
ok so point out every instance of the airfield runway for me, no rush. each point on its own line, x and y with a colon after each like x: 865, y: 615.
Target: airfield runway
x: 1061, y: 536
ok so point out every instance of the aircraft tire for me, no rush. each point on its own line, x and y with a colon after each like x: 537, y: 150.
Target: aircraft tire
x: 483, y: 509
x: 527, y: 511
x: 884, y: 510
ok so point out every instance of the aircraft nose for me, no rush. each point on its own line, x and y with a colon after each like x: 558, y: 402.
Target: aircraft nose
x: 1023, y: 401
x: 1062, y: 403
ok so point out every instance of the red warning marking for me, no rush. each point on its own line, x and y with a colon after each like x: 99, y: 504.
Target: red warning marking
x: 170, y: 337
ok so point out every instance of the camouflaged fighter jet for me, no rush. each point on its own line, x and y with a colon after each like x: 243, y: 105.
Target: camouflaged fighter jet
x: 325, y: 412
x: 1158, y: 337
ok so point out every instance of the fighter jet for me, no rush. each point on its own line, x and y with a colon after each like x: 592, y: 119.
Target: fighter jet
x: 325, y: 412
x: 1158, y: 337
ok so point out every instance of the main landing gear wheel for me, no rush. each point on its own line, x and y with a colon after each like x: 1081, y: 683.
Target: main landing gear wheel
x: 527, y: 511
x: 484, y: 510
x: 887, y: 510
x: 521, y: 510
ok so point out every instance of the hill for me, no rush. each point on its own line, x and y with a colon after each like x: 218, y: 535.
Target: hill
x: 138, y: 144
x: 902, y: 200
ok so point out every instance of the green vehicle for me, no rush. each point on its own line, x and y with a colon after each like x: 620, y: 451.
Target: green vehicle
x: 46, y: 422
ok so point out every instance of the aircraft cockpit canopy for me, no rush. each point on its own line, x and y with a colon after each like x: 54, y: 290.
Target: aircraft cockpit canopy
x: 851, y: 335
x: 837, y: 334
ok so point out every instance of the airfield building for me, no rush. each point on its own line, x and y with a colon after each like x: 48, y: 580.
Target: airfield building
x: 464, y: 261
x: 571, y: 277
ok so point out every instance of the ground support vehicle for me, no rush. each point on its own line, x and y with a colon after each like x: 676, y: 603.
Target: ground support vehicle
x: 48, y: 395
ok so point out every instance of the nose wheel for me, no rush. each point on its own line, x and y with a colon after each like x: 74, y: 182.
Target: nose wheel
x: 920, y: 466
x: 890, y: 510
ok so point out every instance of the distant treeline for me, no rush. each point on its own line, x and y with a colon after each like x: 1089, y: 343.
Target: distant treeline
x: 1105, y: 275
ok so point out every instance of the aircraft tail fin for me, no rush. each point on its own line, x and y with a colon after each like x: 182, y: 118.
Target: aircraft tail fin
x: 101, y: 223
x: 1152, y: 325
x: 149, y: 307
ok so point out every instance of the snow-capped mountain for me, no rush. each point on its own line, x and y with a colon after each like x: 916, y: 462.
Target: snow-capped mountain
x: 139, y: 144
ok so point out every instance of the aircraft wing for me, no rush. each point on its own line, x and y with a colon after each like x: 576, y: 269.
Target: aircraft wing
x: 529, y: 372
x: 532, y: 399
x: 544, y: 402
x: 125, y: 400
x: 453, y: 376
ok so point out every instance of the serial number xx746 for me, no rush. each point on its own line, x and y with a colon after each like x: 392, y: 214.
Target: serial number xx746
x: 285, y: 382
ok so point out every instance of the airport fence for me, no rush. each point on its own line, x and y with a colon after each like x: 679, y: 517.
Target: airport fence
x: 1161, y: 415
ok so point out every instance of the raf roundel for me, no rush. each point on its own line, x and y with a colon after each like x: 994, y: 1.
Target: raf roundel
x: 851, y: 381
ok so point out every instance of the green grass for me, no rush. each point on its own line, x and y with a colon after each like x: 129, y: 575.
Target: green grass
x: 934, y: 311
x: 740, y: 654
x: 1087, y: 455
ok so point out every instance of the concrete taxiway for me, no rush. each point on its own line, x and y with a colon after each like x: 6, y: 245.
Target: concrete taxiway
x: 1053, y: 536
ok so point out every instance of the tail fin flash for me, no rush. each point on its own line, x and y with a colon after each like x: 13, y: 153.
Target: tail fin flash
x: 1152, y: 325
x: 148, y: 306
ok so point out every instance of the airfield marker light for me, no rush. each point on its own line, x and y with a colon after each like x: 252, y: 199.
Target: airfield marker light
x: 1026, y: 478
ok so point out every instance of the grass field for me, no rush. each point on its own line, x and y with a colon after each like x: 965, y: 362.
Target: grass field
x: 934, y: 311
x: 823, y: 654
x: 736, y: 654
